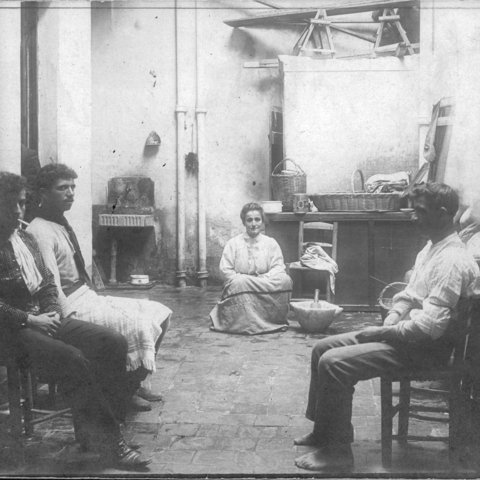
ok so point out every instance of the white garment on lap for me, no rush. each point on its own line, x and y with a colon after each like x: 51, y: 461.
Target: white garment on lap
x: 138, y: 320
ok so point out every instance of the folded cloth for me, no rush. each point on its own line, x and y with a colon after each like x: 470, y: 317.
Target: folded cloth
x: 387, y: 183
x: 315, y: 257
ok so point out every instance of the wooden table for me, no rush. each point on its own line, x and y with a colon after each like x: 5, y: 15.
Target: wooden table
x: 371, y: 245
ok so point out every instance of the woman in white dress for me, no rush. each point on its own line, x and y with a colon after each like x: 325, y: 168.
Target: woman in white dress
x: 257, y: 288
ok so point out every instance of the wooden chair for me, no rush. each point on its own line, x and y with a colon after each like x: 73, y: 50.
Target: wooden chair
x: 461, y: 374
x: 22, y: 416
x: 303, y: 229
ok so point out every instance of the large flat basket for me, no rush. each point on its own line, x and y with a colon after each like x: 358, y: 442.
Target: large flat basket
x: 356, y: 202
x: 363, y: 202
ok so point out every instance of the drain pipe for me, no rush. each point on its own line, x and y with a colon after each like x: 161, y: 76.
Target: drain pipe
x: 180, y: 113
x: 181, y: 271
x: 202, y: 222
x: 200, y: 120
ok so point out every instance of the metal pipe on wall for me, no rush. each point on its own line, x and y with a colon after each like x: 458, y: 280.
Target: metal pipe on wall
x: 181, y: 271
x: 202, y: 221
x: 180, y: 113
x: 200, y: 123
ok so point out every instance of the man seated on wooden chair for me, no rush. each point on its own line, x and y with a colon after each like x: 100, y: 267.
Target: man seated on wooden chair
x: 142, y: 322
x: 413, y: 334
x: 88, y: 361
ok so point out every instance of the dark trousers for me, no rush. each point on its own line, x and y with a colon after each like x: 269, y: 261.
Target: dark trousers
x: 340, y: 361
x: 89, y: 364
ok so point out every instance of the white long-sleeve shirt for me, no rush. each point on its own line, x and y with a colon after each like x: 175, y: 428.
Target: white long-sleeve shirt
x: 443, y: 272
x: 57, y: 251
x: 251, y: 256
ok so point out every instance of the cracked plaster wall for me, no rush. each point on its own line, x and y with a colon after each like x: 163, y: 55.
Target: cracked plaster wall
x: 134, y: 92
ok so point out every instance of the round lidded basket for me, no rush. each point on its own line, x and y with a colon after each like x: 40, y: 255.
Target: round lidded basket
x: 286, y: 183
x: 386, y: 297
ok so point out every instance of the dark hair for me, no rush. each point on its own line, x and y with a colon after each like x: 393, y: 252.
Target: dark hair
x: 250, y: 207
x: 52, y: 172
x: 11, y: 185
x: 437, y: 195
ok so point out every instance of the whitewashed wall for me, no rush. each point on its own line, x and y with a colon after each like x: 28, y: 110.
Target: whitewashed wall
x: 344, y: 115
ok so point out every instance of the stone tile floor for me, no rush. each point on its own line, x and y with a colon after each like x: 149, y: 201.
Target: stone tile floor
x: 232, y: 406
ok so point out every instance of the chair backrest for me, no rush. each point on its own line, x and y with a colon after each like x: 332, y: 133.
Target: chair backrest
x: 459, y: 331
x: 333, y: 227
x: 471, y: 347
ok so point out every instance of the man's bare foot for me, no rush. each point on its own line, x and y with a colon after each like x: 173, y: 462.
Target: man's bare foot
x: 308, y: 439
x: 313, y: 460
x: 324, y: 458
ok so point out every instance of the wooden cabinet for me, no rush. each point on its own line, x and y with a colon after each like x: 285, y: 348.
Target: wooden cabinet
x: 371, y: 246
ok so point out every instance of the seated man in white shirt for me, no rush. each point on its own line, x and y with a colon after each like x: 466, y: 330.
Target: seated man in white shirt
x: 142, y: 322
x: 416, y: 332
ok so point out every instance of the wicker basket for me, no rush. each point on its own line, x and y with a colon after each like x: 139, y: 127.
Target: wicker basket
x: 386, y: 297
x: 365, y: 202
x: 285, y: 186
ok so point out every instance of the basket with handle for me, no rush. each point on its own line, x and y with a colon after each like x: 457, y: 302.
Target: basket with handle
x: 386, y: 297
x: 356, y: 201
x: 286, y: 185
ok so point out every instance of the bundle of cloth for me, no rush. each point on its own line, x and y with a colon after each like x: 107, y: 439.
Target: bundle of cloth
x: 316, y: 258
x: 388, y: 183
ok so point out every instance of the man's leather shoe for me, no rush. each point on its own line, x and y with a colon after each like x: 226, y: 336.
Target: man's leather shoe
x: 149, y: 395
x: 135, y: 445
x: 138, y: 404
x: 86, y: 448
x: 125, y: 457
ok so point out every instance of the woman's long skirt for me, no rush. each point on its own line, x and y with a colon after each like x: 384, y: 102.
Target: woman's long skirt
x: 252, y: 305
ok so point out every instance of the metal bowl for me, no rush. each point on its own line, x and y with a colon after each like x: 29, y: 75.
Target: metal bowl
x: 139, y: 279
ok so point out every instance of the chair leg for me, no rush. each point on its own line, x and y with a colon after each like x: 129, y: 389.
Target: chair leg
x: 459, y: 420
x: 27, y: 403
x: 34, y: 383
x: 15, y: 417
x: 14, y: 400
x: 329, y: 296
x: 52, y: 390
x: 300, y: 285
x: 387, y: 421
x: 403, y: 412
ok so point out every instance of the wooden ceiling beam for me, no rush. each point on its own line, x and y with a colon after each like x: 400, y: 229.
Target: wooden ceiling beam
x: 332, y: 9
x: 268, y: 4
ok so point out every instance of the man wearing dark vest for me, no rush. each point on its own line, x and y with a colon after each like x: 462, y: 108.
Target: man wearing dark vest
x: 87, y: 361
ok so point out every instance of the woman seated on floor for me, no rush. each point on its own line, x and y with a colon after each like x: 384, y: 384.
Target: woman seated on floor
x: 257, y: 289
